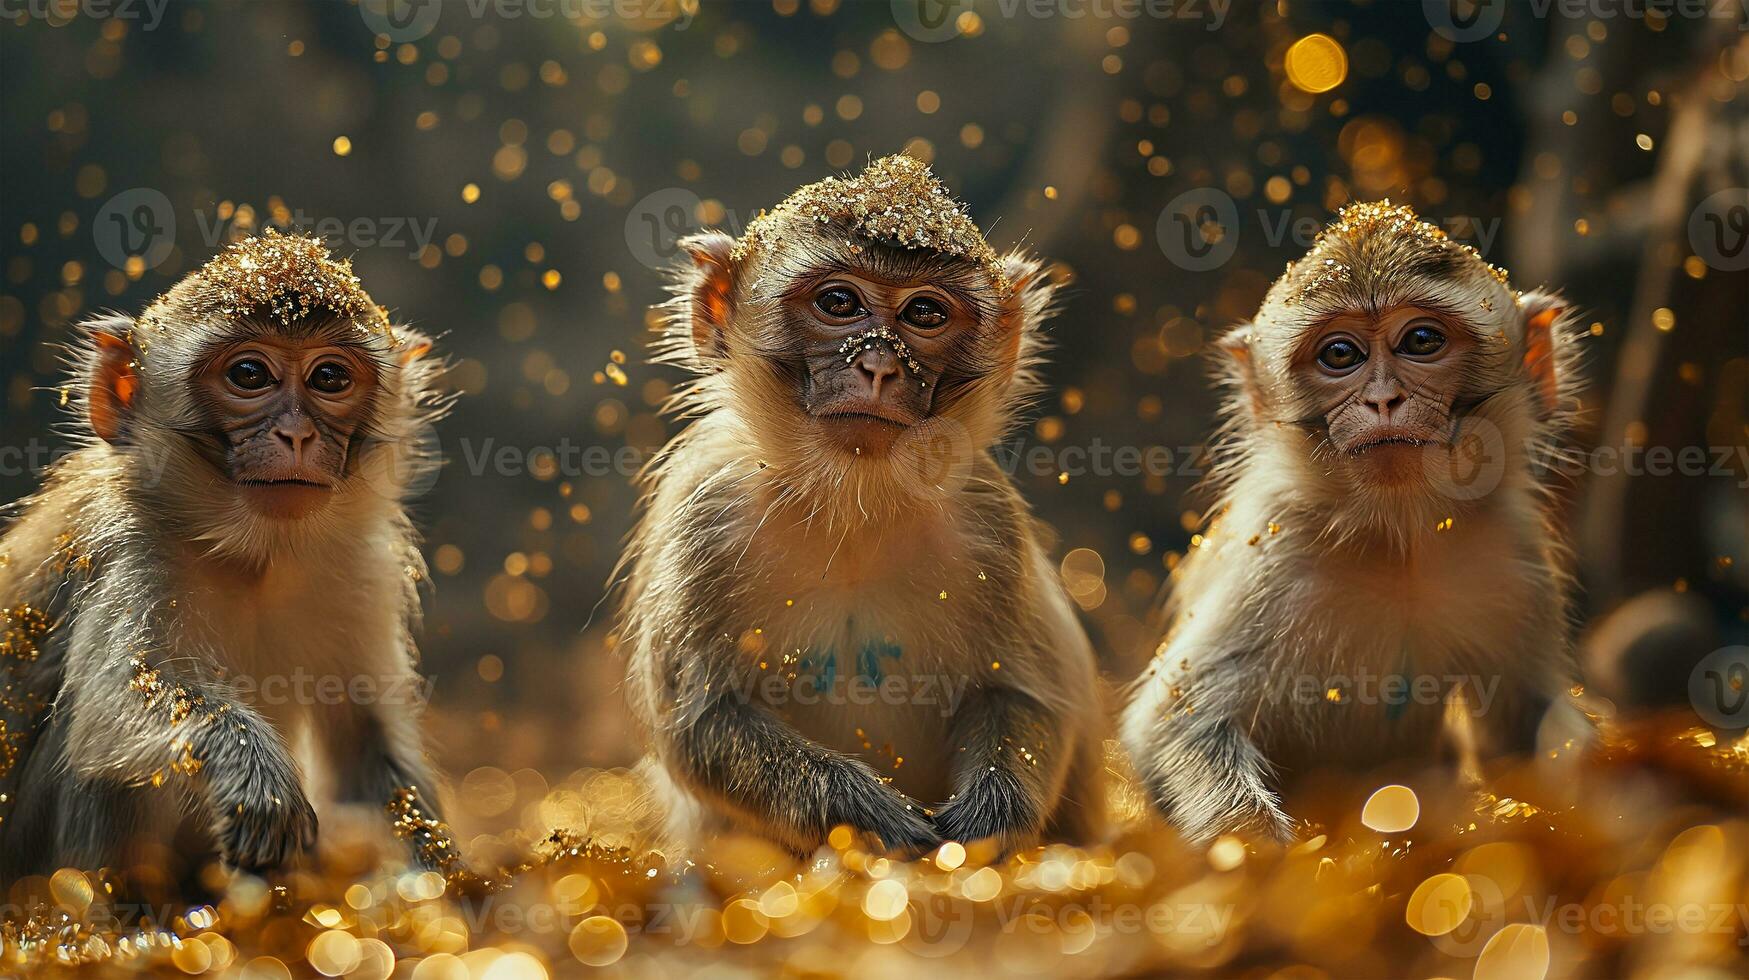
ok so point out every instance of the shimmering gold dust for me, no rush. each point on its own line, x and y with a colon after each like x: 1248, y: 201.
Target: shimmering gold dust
x: 896, y: 200
x: 287, y: 276
x: 1320, y: 269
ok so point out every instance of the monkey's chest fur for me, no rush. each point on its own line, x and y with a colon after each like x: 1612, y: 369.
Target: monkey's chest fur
x: 303, y: 649
x: 1366, y: 661
x: 872, y: 657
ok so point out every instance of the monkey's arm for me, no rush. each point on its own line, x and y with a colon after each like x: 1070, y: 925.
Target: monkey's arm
x: 752, y: 761
x: 141, y: 717
x: 1201, y: 770
x: 1010, y: 766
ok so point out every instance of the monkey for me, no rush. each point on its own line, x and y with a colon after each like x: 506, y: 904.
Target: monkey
x: 232, y: 519
x: 1382, y: 580
x: 837, y: 609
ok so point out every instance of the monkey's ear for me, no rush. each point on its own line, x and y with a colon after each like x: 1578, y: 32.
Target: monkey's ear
x: 1544, y: 337
x: 411, y: 345
x: 1237, y: 360
x: 709, y: 288
x: 115, y: 383
x: 1033, y: 284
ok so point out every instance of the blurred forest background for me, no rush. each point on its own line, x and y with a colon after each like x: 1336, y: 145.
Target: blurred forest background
x: 511, y: 175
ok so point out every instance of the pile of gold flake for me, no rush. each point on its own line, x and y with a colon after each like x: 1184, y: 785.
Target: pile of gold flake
x: 1638, y: 868
x: 896, y: 199
x: 287, y: 276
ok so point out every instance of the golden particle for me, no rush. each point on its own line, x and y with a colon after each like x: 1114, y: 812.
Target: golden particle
x: 1439, y: 904
x: 1391, y: 809
x: 1519, y: 951
x: 1316, y: 63
x: 287, y: 277
x: 1226, y: 853
x: 896, y: 199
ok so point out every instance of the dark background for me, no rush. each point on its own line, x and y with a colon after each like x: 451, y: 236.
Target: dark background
x: 1070, y: 135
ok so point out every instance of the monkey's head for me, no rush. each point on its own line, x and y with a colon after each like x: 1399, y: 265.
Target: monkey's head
x: 263, y: 396
x: 1388, y: 345
x: 860, y: 326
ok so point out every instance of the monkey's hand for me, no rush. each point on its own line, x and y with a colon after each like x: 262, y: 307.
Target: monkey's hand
x: 263, y: 817
x: 1010, y: 769
x: 993, y: 803
x: 856, y: 796
x: 1208, y: 779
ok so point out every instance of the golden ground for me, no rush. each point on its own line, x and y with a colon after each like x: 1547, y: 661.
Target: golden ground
x: 1636, y: 866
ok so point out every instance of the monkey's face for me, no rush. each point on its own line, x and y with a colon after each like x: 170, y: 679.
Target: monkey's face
x: 873, y: 354
x: 1385, y: 385
x: 284, y: 414
x: 853, y: 365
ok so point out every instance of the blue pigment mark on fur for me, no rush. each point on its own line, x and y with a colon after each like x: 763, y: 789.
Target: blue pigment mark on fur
x: 1395, y: 709
x: 868, y: 662
x: 821, y: 665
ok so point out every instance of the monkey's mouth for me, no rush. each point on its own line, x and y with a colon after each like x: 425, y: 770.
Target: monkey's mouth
x: 1383, y: 441
x: 285, y: 499
x: 863, y: 433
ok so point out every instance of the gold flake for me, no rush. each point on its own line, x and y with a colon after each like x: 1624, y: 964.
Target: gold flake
x: 286, y: 276
x: 1319, y: 270
x: 897, y: 199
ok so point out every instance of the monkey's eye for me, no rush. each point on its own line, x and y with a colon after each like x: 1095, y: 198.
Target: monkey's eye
x: 249, y: 375
x: 839, y: 302
x: 924, y: 313
x: 1340, y: 354
x: 331, y: 377
x: 1421, y: 342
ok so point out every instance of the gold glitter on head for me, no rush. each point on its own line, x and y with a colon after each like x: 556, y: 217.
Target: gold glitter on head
x: 287, y: 277
x: 1324, y: 267
x: 897, y: 200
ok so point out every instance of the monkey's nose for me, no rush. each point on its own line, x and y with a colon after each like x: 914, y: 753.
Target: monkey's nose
x: 296, y: 431
x: 877, y: 365
x: 1384, y: 394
